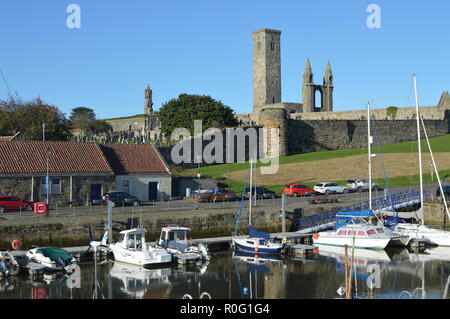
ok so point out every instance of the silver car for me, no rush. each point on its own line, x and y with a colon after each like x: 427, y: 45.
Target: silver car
x: 330, y: 188
x: 361, y: 184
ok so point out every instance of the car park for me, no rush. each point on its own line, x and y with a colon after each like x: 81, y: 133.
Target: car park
x: 215, y: 195
x: 8, y: 203
x: 296, y: 190
x: 361, y: 184
x: 261, y: 193
x: 330, y: 188
x: 121, y: 199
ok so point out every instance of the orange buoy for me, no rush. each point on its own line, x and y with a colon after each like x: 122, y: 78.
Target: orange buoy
x: 256, y: 249
x: 16, y: 244
x: 315, y: 236
x: 315, y: 251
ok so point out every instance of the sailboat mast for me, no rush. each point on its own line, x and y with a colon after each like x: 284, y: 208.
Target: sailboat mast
x: 419, y: 145
x: 251, y: 193
x: 369, y: 142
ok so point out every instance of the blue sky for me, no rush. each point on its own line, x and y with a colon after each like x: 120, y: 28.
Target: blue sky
x: 204, y: 47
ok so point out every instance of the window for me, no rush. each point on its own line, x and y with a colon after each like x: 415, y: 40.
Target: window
x: 361, y: 233
x: 259, y: 45
x: 44, y: 186
x: 56, y: 186
x: 342, y: 233
x: 272, y: 46
x: 351, y: 232
x: 371, y: 232
x: 171, y: 236
x: 380, y: 230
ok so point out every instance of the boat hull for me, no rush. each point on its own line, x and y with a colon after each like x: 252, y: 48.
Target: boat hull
x: 374, y: 243
x: 140, y: 258
x: 241, y: 244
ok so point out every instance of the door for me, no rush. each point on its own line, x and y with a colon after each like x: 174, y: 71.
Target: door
x: 96, y: 192
x: 152, y: 191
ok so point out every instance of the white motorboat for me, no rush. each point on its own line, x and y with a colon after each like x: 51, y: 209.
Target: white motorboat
x: 52, y: 258
x: 356, y: 232
x: 133, y: 249
x: 175, y: 240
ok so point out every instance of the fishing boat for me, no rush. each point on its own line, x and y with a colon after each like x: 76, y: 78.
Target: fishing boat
x: 52, y: 258
x: 133, y: 249
x: 175, y: 240
x: 434, y: 236
x: 256, y: 241
x: 8, y: 264
x: 353, y: 231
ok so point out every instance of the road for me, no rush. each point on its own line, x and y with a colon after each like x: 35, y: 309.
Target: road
x: 189, y: 205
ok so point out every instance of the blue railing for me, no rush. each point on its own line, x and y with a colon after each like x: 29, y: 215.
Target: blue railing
x: 399, y: 200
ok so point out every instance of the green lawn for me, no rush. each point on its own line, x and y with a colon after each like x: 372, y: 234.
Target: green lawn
x: 438, y: 144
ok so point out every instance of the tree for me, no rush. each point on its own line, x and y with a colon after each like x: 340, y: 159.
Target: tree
x: 82, y: 117
x: 28, y: 117
x: 181, y: 113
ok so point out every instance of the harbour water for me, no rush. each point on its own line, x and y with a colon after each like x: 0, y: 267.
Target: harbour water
x: 389, y: 274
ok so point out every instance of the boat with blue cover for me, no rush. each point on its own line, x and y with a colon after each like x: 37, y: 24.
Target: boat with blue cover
x: 353, y: 231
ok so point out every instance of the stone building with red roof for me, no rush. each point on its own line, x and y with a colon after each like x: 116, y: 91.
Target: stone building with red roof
x: 81, y: 172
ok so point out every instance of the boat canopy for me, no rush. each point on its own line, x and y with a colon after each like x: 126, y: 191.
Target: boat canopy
x: 54, y: 253
x: 363, y: 213
x: 252, y: 233
x: 344, y: 218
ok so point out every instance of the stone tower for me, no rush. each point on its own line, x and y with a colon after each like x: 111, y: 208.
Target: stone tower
x: 327, y: 90
x: 148, y: 103
x: 274, y: 118
x: 308, y: 90
x: 266, y: 68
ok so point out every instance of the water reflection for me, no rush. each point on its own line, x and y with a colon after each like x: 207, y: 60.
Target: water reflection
x: 379, y: 274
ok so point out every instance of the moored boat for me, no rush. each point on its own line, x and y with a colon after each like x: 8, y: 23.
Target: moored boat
x: 353, y: 231
x: 175, y: 240
x: 8, y: 264
x: 52, y: 258
x: 133, y: 249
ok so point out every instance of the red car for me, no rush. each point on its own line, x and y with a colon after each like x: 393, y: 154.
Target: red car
x: 14, y: 203
x: 296, y: 190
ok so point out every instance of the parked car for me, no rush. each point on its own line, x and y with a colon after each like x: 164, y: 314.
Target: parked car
x: 330, y: 188
x: 14, y: 203
x: 446, y: 190
x: 361, y: 184
x: 214, y: 195
x: 261, y: 192
x: 296, y: 190
x: 121, y: 199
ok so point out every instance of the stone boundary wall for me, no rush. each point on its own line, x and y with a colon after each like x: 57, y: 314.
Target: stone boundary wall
x: 318, y: 135
x: 403, y: 113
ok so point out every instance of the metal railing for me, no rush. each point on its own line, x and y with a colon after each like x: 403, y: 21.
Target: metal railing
x: 399, y: 200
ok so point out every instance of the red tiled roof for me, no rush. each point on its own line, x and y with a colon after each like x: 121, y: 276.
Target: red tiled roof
x: 134, y: 158
x: 64, y: 157
x: 6, y: 138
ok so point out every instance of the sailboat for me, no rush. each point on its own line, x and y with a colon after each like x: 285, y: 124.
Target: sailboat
x: 351, y: 228
x: 256, y: 241
x: 420, y: 231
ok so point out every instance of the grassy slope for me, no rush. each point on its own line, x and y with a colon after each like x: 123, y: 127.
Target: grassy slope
x: 438, y: 144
